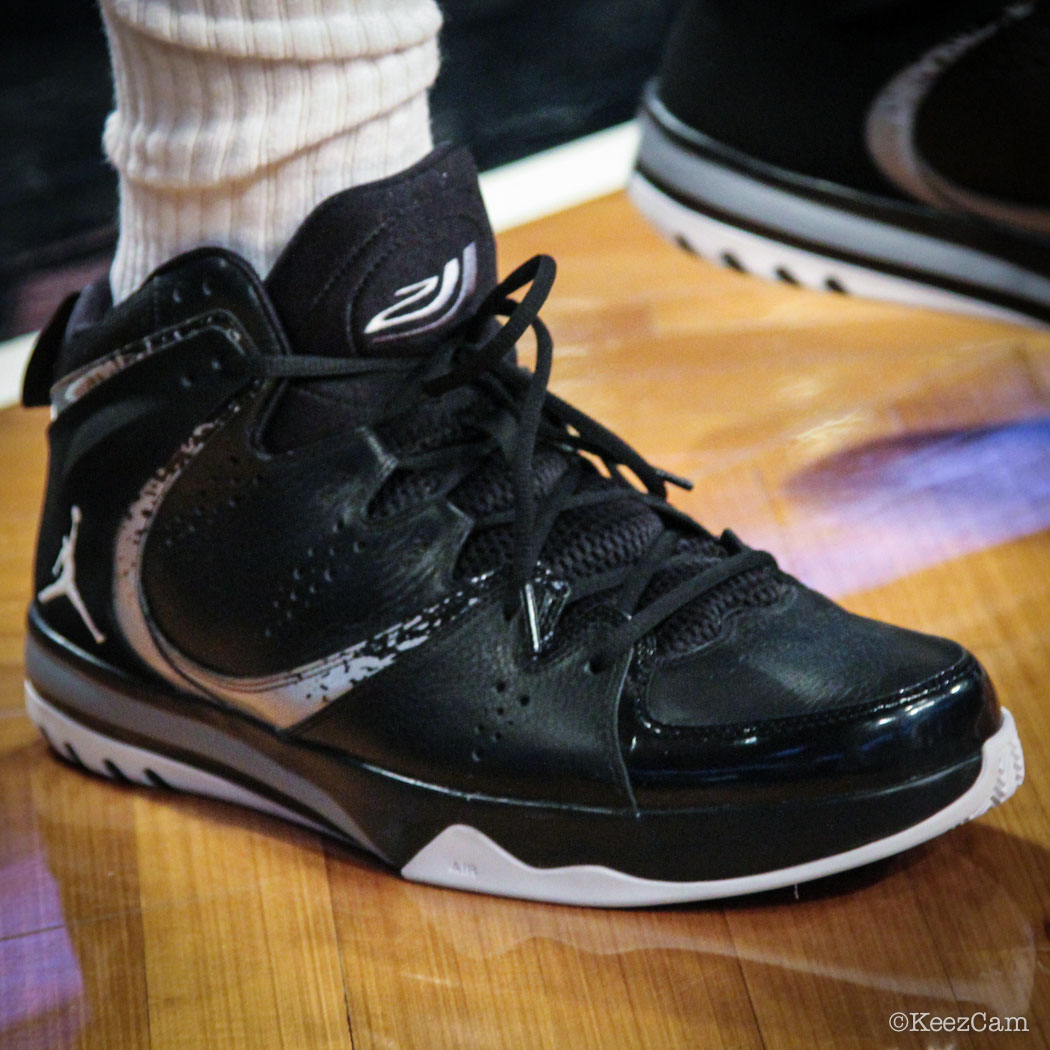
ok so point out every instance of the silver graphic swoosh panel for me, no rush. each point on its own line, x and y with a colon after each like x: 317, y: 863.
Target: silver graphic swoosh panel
x: 890, y: 131
x: 283, y: 698
x: 73, y: 387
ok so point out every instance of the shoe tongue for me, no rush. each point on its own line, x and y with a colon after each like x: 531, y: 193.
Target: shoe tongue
x: 388, y: 267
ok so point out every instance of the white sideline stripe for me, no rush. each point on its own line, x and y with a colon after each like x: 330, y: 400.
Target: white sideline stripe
x: 14, y: 356
x: 560, y: 178
x: 517, y: 193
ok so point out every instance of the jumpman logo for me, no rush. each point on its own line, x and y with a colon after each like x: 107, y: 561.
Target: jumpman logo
x: 65, y: 573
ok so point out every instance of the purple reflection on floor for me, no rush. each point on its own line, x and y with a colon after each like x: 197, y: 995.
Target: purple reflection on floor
x: 880, y: 511
x: 41, y: 990
x: 41, y: 987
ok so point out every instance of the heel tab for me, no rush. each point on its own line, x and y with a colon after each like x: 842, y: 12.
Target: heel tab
x: 40, y: 372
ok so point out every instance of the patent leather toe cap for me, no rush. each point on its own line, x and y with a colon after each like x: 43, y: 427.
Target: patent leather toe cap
x: 810, y: 698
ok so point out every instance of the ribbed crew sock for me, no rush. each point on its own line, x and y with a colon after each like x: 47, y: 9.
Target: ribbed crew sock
x: 234, y: 118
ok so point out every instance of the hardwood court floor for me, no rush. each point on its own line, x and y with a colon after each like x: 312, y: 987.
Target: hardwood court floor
x: 898, y: 459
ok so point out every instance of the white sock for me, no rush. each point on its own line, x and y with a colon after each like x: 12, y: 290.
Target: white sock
x: 234, y: 118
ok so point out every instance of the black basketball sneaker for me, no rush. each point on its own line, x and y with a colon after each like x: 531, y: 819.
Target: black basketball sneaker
x: 316, y: 544
x: 889, y: 148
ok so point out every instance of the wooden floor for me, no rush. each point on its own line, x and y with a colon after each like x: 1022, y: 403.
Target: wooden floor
x: 897, y: 459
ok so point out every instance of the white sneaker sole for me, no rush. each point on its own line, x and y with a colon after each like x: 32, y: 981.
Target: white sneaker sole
x: 773, y: 260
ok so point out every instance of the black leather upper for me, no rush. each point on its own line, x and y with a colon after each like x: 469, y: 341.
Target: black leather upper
x: 258, y: 561
x: 106, y: 445
x: 984, y: 123
x: 806, y: 692
x: 800, y: 659
x: 791, y: 84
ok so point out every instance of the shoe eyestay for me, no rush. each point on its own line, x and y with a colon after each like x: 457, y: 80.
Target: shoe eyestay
x: 480, y: 353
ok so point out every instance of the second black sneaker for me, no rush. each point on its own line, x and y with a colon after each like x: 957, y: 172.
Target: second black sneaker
x: 889, y: 148
x: 316, y: 544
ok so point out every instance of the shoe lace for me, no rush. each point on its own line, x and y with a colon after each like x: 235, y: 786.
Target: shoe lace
x: 529, y: 414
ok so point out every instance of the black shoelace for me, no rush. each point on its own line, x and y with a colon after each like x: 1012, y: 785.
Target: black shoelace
x: 479, y: 356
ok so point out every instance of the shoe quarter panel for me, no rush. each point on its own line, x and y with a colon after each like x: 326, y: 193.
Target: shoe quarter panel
x: 106, y: 444
x: 470, y: 710
x: 258, y: 564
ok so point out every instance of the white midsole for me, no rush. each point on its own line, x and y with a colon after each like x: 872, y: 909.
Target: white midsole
x: 461, y: 857
x: 75, y: 741
x: 766, y: 257
x: 720, y: 189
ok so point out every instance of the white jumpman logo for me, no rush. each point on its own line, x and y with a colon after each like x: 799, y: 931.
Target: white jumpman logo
x: 65, y: 572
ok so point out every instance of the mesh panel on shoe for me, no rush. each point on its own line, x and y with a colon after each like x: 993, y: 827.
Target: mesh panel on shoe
x: 595, y: 539
x: 486, y: 550
x: 432, y: 424
x: 701, y: 620
x: 488, y: 489
x: 404, y: 489
x: 582, y: 542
